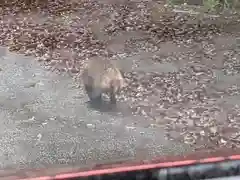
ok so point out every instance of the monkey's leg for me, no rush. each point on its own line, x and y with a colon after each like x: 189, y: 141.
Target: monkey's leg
x: 113, y: 99
x: 96, y: 96
x: 88, y: 90
x: 97, y: 99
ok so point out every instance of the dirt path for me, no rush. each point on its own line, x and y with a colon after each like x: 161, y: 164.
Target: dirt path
x: 45, y: 120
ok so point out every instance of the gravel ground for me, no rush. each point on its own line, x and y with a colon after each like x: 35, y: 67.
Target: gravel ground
x: 45, y: 120
x: 182, y: 69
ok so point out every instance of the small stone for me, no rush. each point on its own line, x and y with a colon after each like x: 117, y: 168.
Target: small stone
x: 91, y: 126
x: 202, y: 133
x: 39, y: 137
x: 52, y: 118
x: 32, y: 118
x: 213, y: 130
x: 224, y: 142
x: 153, y: 125
x: 130, y: 127
x: 30, y: 84
x: 143, y: 113
x: 40, y: 83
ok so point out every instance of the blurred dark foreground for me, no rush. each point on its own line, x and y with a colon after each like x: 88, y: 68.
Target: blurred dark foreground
x: 218, y: 165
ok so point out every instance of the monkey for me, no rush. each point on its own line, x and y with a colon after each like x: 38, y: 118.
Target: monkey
x: 102, y: 76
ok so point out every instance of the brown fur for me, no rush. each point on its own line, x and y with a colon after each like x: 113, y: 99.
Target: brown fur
x: 102, y: 76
